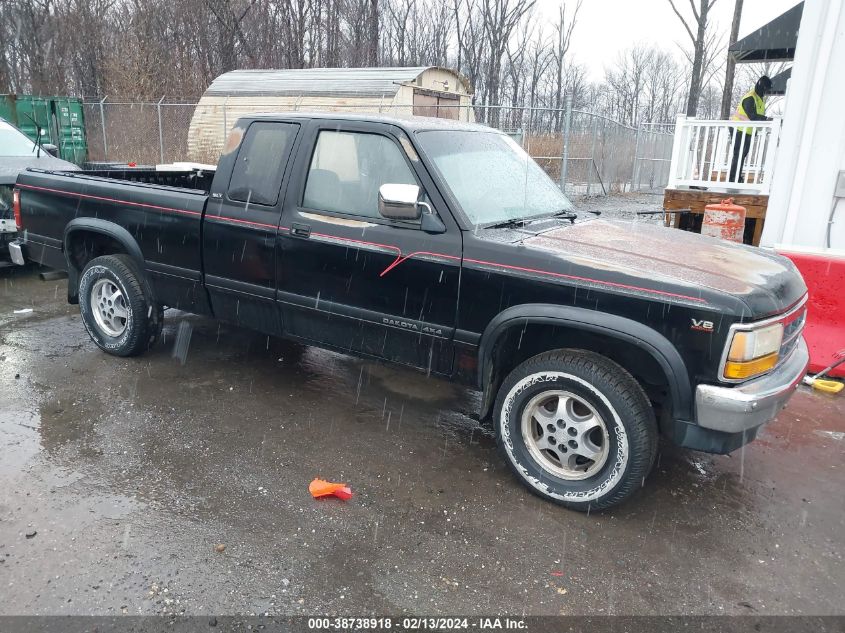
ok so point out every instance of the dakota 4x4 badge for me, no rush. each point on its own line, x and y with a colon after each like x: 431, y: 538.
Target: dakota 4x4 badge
x: 426, y: 329
x: 701, y: 325
x: 403, y: 324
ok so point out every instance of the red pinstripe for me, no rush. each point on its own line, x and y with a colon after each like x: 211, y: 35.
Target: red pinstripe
x: 399, y: 260
x: 402, y: 258
x: 613, y: 284
x: 148, y: 206
x: 337, y: 238
x: 115, y: 200
x: 237, y: 221
x: 399, y: 257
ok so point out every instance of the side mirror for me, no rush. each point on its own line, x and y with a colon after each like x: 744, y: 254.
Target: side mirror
x: 399, y: 202
x: 51, y: 149
x: 431, y: 223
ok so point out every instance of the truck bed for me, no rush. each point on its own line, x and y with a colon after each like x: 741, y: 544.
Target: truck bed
x: 195, y: 179
x: 163, y: 219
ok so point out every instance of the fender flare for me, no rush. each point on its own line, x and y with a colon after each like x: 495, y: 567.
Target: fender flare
x: 622, y: 328
x: 104, y: 227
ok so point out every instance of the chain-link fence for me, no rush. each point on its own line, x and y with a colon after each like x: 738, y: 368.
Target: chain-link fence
x: 145, y: 133
x: 586, y: 153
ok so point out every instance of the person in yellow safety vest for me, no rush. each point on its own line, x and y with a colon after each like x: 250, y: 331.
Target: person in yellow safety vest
x: 752, y: 107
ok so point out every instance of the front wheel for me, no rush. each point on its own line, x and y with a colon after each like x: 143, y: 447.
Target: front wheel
x: 576, y: 428
x: 117, y: 306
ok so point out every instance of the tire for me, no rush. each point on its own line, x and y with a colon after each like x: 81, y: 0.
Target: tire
x: 576, y: 429
x: 117, y: 306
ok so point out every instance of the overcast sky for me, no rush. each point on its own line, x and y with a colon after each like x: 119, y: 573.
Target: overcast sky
x: 606, y: 27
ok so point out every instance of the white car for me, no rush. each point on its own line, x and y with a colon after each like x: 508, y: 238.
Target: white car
x: 17, y: 153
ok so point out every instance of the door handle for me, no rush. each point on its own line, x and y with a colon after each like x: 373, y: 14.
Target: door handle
x: 300, y: 230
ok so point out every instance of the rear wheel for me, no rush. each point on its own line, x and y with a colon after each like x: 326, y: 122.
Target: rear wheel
x: 576, y: 428
x: 117, y: 306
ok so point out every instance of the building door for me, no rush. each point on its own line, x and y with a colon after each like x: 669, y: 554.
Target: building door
x: 436, y: 104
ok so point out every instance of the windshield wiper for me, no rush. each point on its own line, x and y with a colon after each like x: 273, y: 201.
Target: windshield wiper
x: 36, y: 144
x: 510, y: 223
x: 565, y: 214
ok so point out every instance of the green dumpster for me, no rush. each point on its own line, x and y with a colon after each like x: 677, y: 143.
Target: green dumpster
x: 61, y: 118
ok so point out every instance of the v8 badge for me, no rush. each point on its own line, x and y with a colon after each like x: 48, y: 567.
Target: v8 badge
x: 701, y: 325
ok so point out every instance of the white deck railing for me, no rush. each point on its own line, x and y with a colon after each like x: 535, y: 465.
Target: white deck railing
x: 702, y: 155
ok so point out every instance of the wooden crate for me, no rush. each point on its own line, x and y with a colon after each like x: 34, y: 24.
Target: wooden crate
x: 695, y: 200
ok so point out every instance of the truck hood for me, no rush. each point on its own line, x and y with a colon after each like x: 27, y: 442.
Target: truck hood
x: 765, y: 282
x: 11, y: 166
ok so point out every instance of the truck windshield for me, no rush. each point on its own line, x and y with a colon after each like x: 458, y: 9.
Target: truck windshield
x: 491, y: 176
x: 13, y: 142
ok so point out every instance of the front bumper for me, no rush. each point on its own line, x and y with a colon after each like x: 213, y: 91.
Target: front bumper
x: 752, y: 404
x: 16, y: 253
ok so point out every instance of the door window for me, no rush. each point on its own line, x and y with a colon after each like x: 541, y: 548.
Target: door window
x: 258, y: 171
x: 348, y: 168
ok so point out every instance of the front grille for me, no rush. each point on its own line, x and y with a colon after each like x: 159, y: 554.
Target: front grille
x: 792, y: 328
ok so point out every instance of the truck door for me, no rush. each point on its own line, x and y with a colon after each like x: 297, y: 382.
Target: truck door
x: 352, y: 280
x: 240, y: 224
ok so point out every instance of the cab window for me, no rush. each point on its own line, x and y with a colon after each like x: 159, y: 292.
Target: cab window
x: 347, y: 169
x: 259, y: 168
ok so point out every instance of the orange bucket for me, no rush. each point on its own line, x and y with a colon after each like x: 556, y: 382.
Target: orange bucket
x: 725, y: 220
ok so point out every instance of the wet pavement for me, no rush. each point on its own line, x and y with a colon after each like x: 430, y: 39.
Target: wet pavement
x: 122, y: 479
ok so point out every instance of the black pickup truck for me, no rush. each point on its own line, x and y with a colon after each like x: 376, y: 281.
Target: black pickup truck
x: 442, y: 246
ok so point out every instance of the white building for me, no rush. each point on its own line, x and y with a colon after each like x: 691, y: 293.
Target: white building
x: 419, y: 90
x: 806, y: 215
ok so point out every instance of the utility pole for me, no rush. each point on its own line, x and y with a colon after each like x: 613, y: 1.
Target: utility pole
x: 727, y: 94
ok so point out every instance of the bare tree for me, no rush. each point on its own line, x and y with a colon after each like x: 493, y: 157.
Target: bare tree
x: 710, y: 65
x: 231, y: 18
x: 628, y: 81
x: 146, y: 49
x: 696, y: 28
x: 11, y: 75
x: 727, y: 92
x: 516, y: 69
x: 395, y: 31
x: 33, y: 38
x: 469, y: 31
x: 563, y: 41
x: 540, y: 58
x: 295, y: 20
x: 500, y: 18
x: 372, y: 44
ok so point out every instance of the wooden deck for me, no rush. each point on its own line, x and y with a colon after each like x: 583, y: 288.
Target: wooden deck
x: 695, y: 200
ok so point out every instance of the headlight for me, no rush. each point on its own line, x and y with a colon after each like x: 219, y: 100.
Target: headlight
x: 753, y: 352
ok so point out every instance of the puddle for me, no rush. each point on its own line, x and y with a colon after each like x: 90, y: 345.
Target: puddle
x: 19, y: 437
x: 412, y: 384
